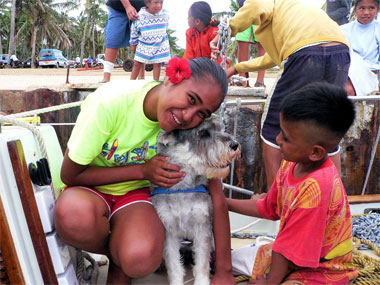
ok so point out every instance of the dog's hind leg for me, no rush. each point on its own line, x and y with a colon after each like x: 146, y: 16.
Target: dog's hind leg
x: 202, y: 244
x: 174, y: 266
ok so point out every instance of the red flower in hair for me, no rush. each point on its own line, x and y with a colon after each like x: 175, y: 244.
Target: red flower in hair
x: 178, y: 69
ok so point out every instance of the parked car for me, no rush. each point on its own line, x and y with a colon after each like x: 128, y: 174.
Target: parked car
x: 52, y: 58
x: 28, y: 63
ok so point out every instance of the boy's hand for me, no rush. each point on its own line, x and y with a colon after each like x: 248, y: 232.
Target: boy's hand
x: 231, y: 71
x: 161, y: 173
x: 214, y: 48
x: 258, y: 196
x: 133, y: 48
x: 223, y: 278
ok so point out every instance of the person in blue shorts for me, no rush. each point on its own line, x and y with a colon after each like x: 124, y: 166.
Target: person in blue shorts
x: 117, y: 31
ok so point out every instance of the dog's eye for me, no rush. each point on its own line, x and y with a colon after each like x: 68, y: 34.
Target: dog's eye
x: 204, y: 133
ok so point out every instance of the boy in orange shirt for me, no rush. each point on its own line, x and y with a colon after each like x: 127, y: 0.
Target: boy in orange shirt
x: 314, y: 242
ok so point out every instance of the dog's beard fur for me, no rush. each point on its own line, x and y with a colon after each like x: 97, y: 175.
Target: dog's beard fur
x: 202, y: 151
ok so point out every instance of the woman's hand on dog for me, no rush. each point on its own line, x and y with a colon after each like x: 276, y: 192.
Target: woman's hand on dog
x: 159, y: 172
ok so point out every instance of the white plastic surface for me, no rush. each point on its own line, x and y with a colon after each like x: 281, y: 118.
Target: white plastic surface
x: 45, y: 203
x: 59, y: 252
x: 68, y: 277
x: 10, y: 196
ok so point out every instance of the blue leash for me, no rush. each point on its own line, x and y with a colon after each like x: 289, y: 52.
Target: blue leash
x: 161, y: 190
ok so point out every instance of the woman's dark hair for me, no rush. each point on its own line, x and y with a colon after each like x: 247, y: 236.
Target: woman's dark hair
x: 201, y: 10
x: 356, y: 2
x: 203, y: 68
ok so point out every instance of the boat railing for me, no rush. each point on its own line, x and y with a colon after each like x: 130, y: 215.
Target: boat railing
x: 238, y: 102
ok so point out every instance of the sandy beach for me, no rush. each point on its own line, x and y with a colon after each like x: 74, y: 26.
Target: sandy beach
x: 30, y: 79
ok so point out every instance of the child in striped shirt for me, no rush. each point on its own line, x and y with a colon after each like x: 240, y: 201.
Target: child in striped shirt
x: 149, y: 38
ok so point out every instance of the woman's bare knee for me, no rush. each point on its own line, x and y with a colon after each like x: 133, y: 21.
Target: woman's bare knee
x: 140, y: 260
x: 77, y: 221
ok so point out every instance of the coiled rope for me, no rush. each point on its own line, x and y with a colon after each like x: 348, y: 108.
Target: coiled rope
x: 32, y: 128
x: 368, y: 267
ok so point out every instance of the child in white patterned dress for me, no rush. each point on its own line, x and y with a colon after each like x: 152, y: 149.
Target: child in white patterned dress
x: 149, y: 38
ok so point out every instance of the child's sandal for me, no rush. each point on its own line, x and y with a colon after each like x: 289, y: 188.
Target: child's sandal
x: 259, y: 84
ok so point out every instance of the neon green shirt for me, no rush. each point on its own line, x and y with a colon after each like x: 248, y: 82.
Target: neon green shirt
x: 112, y: 130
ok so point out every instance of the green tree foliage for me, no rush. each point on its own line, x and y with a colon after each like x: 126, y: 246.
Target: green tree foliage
x: 47, y: 24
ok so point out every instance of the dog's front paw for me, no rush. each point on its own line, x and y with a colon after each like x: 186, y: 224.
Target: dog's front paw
x: 202, y: 280
x: 176, y: 281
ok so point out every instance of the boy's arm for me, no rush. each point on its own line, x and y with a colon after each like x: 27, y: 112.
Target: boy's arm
x: 245, y: 207
x: 278, y: 269
x: 254, y: 12
x: 221, y: 226
x: 134, y: 38
x: 259, y: 63
x: 189, y: 51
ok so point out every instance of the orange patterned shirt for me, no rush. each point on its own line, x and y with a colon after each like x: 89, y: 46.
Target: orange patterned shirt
x: 315, y: 225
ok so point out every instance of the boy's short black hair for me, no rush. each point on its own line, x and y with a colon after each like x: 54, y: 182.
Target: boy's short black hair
x: 322, y: 103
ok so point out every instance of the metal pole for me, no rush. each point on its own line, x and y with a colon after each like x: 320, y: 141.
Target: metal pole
x: 67, y: 74
x: 371, y: 161
x: 238, y: 189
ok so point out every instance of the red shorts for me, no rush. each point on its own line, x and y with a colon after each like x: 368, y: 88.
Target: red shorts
x: 117, y: 202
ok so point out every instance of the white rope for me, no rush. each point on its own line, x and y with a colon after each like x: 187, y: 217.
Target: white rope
x: 246, y: 226
x: 46, y: 110
x: 33, y: 129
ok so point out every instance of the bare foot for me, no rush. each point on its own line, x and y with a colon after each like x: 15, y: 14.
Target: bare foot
x: 116, y: 275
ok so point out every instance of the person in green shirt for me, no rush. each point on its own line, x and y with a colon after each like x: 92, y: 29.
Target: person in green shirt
x: 111, y: 161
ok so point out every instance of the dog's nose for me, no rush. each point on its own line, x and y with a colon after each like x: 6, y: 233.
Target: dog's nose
x: 234, y: 145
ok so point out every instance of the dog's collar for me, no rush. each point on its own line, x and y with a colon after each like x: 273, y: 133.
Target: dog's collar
x: 161, y: 190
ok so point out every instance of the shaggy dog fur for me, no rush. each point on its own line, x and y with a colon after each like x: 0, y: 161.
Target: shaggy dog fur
x: 203, y: 152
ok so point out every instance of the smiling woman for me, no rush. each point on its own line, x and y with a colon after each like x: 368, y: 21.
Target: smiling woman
x: 109, y: 178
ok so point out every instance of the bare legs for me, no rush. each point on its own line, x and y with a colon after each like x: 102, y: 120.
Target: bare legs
x: 138, y: 69
x: 261, y: 73
x: 110, y: 56
x: 243, y: 55
x: 156, y: 71
x: 134, y: 245
x: 137, y: 66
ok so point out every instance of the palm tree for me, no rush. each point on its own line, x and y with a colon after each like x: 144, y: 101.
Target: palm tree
x: 11, y: 47
x: 4, y: 22
x: 174, y: 48
x: 92, y: 12
x: 42, y: 21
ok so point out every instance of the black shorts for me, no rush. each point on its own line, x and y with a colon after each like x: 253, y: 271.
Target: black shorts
x: 310, y: 64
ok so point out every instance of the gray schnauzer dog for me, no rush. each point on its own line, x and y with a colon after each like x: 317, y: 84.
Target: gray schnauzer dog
x: 185, y: 209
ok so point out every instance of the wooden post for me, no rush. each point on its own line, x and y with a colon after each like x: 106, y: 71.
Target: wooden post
x: 8, y: 250
x: 29, y: 205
